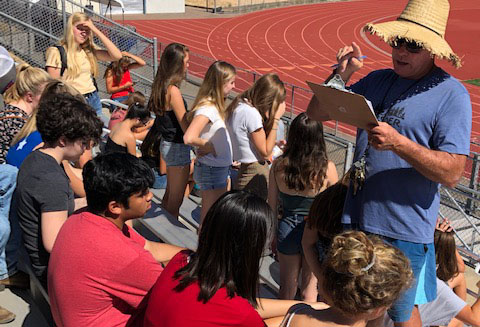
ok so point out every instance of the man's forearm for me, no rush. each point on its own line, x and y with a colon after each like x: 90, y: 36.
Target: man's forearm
x: 438, y: 166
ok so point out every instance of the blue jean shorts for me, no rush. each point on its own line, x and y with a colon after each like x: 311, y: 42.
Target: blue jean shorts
x: 209, y: 177
x: 424, y: 286
x: 93, y: 99
x: 175, y: 154
x: 118, y: 99
x: 289, y: 234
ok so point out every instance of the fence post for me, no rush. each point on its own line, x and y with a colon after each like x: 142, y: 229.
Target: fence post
x: 155, y: 57
x: 64, y: 14
x: 292, y: 104
x: 470, y: 205
x: 348, y: 157
x: 472, y: 244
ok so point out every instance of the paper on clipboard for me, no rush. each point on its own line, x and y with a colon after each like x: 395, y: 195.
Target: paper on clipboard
x: 344, y: 106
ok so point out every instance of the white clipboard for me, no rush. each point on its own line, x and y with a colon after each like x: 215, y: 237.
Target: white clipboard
x: 344, y: 106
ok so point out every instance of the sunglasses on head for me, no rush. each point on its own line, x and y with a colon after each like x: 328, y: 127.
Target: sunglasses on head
x: 411, y: 46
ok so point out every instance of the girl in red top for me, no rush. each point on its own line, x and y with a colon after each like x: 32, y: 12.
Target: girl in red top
x: 217, y: 285
x: 117, y: 76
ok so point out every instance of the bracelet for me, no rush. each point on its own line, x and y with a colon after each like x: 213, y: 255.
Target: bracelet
x: 274, y: 129
x: 276, y: 119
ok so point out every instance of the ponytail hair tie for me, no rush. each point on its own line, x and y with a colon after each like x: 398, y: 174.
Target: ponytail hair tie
x: 370, y: 265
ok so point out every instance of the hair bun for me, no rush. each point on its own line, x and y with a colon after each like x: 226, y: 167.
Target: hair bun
x: 352, y: 253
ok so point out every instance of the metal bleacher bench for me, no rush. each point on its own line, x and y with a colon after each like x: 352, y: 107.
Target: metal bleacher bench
x: 39, y: 294
x: 158, y: 224
x: 168, y: 229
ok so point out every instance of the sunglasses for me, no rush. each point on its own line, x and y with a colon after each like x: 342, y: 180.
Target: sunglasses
x: 410, y: 46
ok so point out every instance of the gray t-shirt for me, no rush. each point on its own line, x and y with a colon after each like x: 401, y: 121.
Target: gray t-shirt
x: 42, y: 186
x: 243, y: 121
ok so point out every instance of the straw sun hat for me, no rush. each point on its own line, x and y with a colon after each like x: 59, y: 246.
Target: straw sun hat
x: 424, y: 22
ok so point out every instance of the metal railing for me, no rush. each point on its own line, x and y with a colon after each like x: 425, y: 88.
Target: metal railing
x: 28, y: 29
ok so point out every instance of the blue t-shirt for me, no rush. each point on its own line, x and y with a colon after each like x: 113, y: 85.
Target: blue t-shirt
x: 17, y: 153
x: 435, y: 112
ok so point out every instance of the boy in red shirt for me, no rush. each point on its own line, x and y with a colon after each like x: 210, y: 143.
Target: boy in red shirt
x: 100, y: 269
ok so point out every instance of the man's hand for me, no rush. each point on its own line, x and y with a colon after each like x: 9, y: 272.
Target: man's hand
x: 347, y: 58
x: 383, y: 137
x: 438, y: 166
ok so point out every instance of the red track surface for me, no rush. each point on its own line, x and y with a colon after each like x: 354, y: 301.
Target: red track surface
x: 299, y: 43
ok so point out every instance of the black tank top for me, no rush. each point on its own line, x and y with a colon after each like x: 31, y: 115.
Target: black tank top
x: 114, y: 147
x: 169, y: 126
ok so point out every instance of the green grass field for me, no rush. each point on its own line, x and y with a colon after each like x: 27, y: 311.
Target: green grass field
x: 473, y: 81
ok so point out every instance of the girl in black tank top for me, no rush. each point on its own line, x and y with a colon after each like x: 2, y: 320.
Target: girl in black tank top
x: 122, y: 138
x: 169, y: 107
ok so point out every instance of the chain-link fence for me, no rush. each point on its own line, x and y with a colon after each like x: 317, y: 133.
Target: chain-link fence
x: 28, y: 29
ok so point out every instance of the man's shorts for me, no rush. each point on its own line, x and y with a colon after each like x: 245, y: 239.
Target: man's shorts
x: 424, y: 285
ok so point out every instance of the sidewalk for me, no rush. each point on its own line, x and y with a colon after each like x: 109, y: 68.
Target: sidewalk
x: 21, y: 304
x: 190, y: 13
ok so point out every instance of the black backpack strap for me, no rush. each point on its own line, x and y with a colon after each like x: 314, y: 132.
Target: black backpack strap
x: 63, y: 58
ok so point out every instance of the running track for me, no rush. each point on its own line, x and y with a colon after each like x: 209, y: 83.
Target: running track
x: 299, y: 43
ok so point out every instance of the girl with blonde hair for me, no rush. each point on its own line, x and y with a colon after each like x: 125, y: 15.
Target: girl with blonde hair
x: 252, y: 121
x: 363, y: 276
x: 81, y: 56
x: 167, y: 103
x: 207, y: 132
x: 21, y: 99
x: 296, y: 177
x: 28, y: 138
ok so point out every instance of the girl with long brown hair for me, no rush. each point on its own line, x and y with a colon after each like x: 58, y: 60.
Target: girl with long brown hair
x: 252, y: 121
x: 296, y: 178
x: 117, y: 77
x: 169, y: 107
x: 207, y: 132
x: 450, y: 265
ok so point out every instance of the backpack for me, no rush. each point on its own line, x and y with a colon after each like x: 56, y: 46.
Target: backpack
x: 63, y: 59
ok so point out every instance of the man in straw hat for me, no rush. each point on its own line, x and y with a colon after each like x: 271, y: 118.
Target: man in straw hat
x: 422, y: 140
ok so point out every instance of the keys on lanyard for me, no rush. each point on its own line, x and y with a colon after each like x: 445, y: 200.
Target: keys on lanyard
x: 357, y: 175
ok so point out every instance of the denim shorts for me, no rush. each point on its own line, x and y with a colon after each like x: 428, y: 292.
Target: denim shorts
x: 289, y: 234
x: 175, y: 154
x: 209, y: 177
x: 118, y: 99
x: 424, y: 286
x: 93, y: 99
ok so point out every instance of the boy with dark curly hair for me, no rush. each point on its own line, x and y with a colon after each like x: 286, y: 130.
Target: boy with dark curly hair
x: 108, y: 267
x: 43, y: 197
